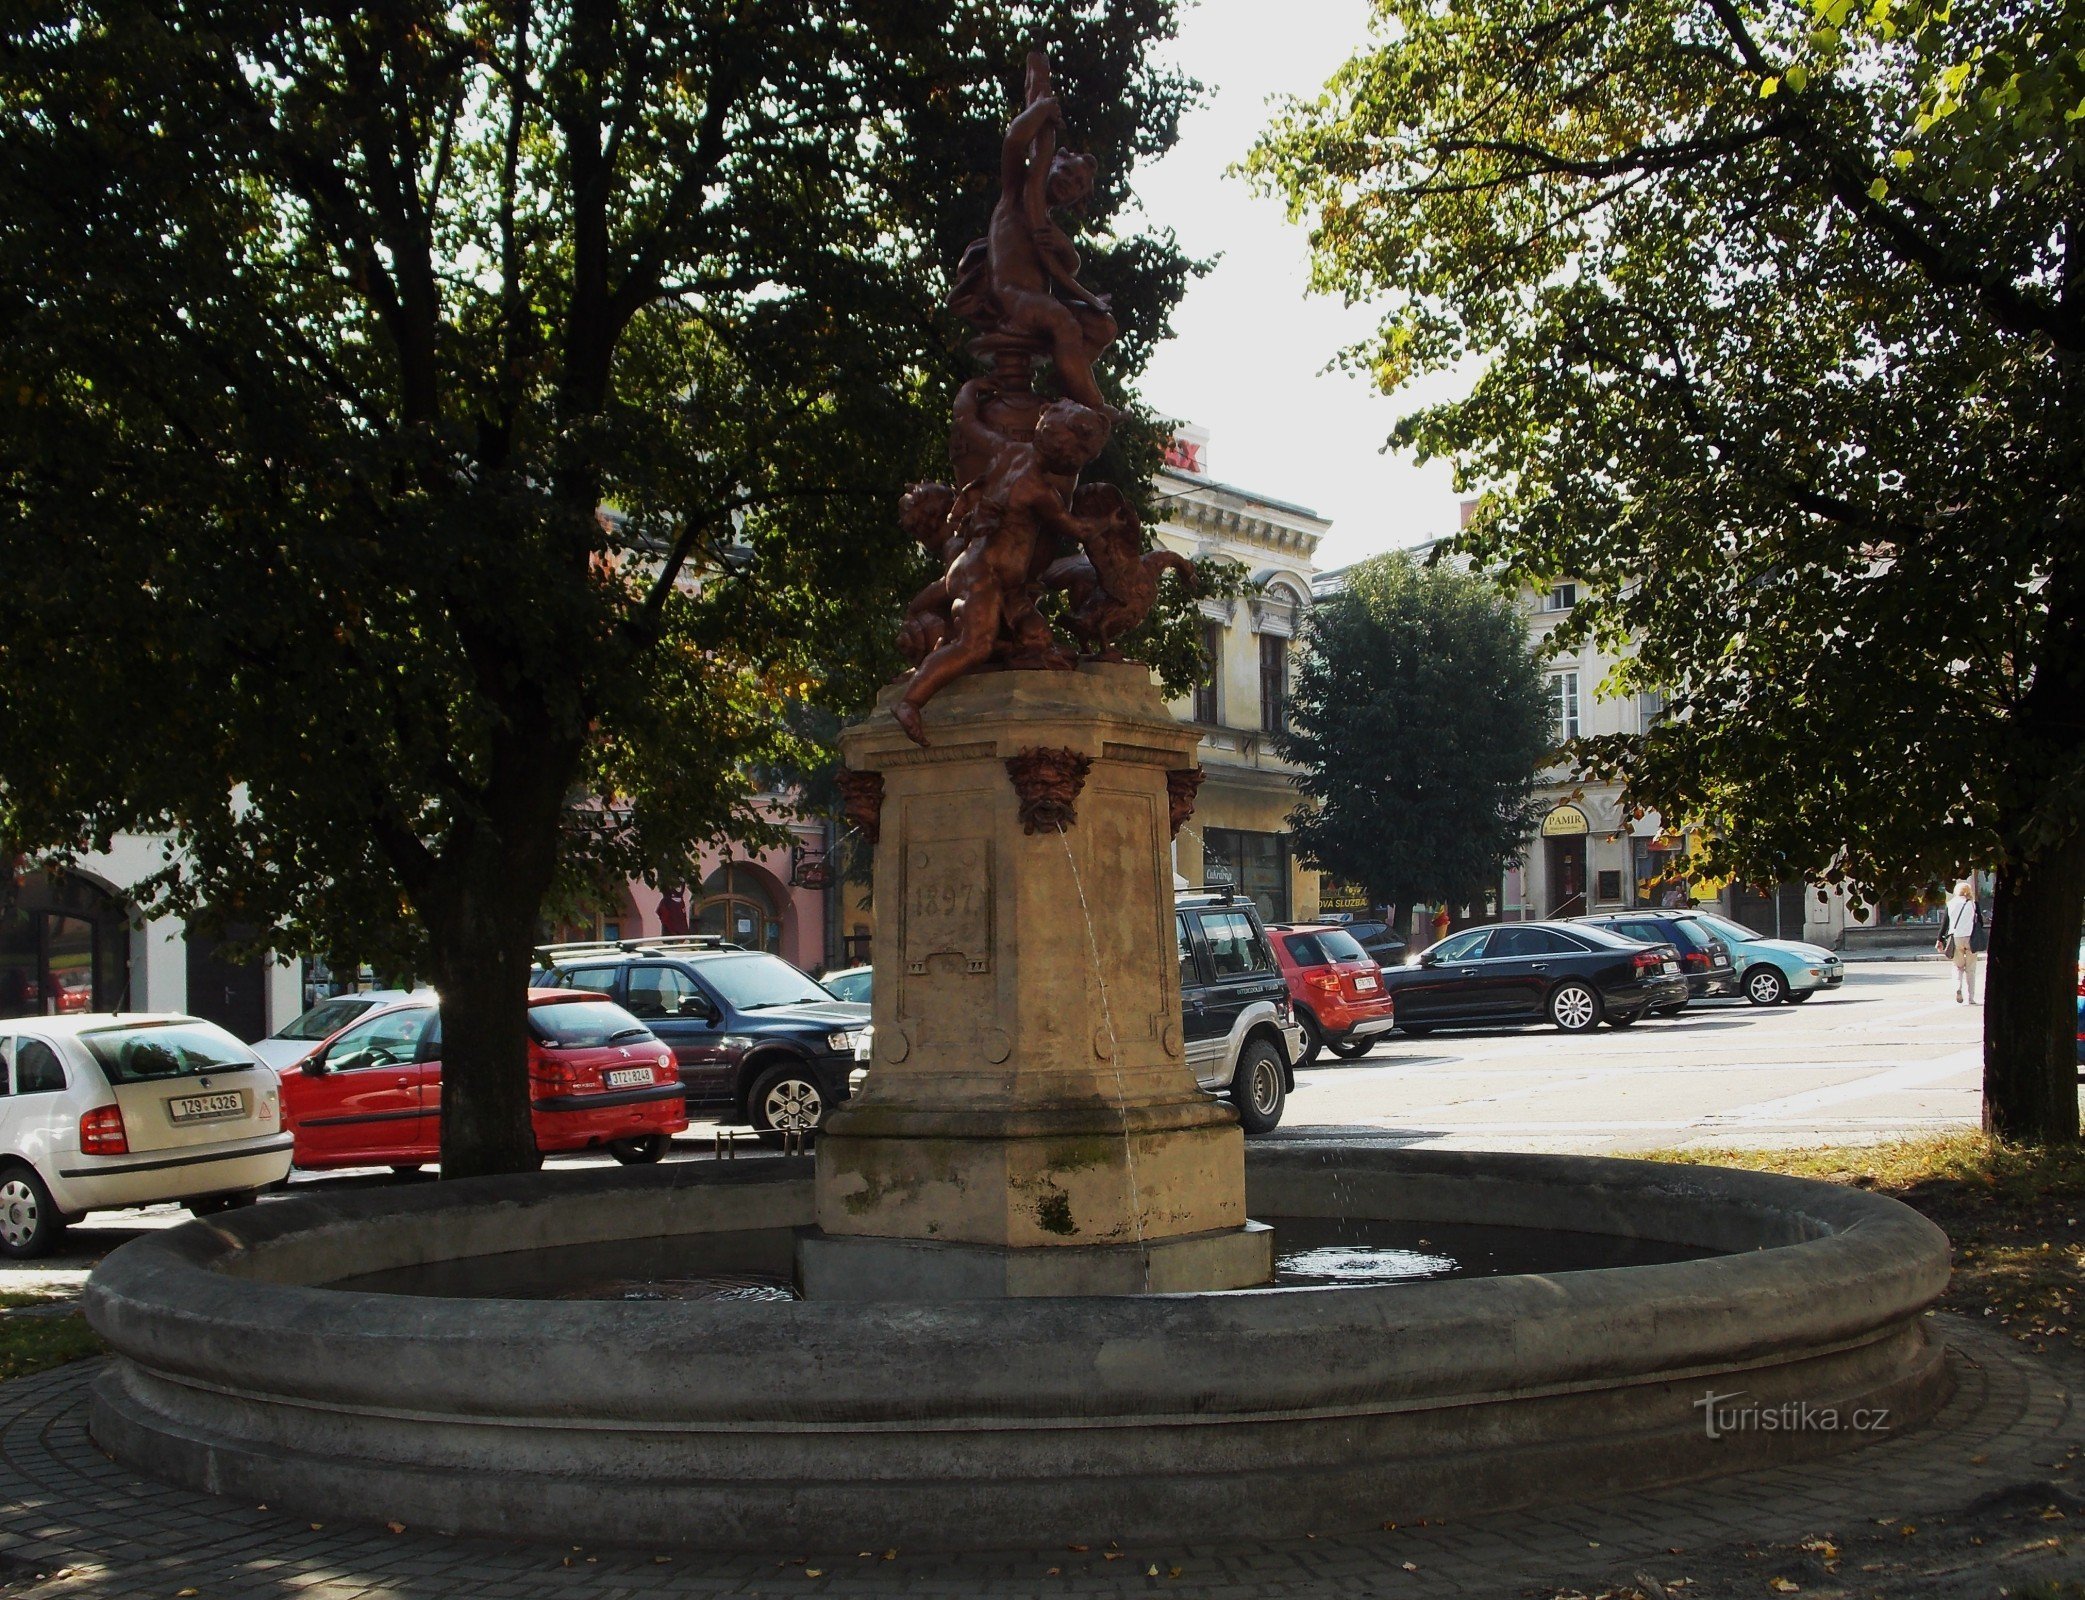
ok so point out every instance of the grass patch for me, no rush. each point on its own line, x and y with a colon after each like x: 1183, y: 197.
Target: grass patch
x: 2014, y: 1215
x: 33, y: 1344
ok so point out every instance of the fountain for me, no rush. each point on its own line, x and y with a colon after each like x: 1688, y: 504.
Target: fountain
x: 1020, y: 1294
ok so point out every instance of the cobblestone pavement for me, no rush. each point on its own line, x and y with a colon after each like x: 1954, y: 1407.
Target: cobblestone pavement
x: 1975, y: 1504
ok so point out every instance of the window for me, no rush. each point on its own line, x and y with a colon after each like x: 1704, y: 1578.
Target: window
x: 389, y: 1040
x: 36, y: 1068
x: 602, y: 978
x: 1189, y: 977
x: 1650, y: 710
x: 1563, y: 705
x: 584, y: 1024
x: 1274, y: 683
x: 1610, y: 887
x: 156, y: 1050
x: 1461, y: 946
x: 6, y: 1068
x: 1208, y: 703
x: 754, y: 982
x: 1235, y: 950
x: 658, y: 991
x: 1255, y: 864
x: 1561, y: 597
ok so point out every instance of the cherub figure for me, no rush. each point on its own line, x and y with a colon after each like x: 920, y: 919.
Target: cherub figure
x: 1021, y: 499
x: 1021, y: 281
x: 928, y: 511
x: 1113, y: 584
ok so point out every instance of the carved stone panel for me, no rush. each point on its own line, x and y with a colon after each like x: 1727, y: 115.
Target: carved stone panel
x: 948, y: 903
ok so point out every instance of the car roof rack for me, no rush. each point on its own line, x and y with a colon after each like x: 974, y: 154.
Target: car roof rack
x: 655, y: 944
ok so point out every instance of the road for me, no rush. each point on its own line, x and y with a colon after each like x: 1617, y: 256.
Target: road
x: 1890, y: 1054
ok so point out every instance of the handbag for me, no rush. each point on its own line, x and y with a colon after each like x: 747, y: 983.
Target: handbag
x: 1979, y: 935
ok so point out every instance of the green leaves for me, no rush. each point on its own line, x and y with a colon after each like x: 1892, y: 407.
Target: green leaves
x: 1421, y: 719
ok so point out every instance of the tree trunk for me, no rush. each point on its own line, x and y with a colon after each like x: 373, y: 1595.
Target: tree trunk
x: 2030, y: 998
x: 482, y: 939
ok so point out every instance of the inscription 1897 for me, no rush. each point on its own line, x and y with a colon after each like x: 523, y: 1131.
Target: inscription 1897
x: 948, y: 902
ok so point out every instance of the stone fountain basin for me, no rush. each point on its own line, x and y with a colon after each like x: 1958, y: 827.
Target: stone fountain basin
x: 997, y: 1423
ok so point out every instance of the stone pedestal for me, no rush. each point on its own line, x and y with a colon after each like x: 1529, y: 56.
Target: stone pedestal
x: 1029, y: 1124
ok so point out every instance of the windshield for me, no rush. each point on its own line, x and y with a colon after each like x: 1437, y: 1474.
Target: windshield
x: 760, y: 982
x: 580, y: 1024
x: 327, y: 1018
x: 1729, y: 932
x: 855, y: 986
x: 166, y: 1050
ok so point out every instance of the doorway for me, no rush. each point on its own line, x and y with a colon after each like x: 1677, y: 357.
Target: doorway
x: 1567, y: 875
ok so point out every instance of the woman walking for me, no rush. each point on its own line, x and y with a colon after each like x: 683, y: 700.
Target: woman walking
x: 1965, y: 925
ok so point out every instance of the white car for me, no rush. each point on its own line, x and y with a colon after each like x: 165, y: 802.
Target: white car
x: 287, y: 1046
x: 103, y: 1112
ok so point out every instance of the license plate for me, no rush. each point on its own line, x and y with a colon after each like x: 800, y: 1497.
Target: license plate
x: 1672, y: 966
x: 1363, y: 985
x: 627, y: 1077
x: 206, y: 1107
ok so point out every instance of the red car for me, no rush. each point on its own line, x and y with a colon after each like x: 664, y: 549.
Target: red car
x: 1336, y: 987
x: 371, y: 1096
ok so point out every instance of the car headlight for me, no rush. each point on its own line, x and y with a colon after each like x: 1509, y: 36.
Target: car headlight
x: 840, y: 1043
x: 865, y: 1044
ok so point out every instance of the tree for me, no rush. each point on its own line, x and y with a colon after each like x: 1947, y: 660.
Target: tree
x: 1779, y: 312
x: 440, y: 439
x: 1421, y: 718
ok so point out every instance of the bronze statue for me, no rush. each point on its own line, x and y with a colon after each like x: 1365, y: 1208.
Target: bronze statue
x: 1016, y: 523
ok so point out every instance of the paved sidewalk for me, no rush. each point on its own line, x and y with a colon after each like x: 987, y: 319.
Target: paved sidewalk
x: 1976, y: 1502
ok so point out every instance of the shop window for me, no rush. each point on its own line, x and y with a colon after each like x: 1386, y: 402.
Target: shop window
x: 1254, y: 864
x: 64, y: 947
x: 738, y: 905
x: 1608, y: 887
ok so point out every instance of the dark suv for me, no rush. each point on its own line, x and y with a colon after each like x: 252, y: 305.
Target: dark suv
x: 1704, y: 958
x: 1236, y: 1021
x: 757, y: 1041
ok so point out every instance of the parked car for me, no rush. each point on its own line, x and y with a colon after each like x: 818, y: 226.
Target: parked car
x: 1704, y: 958
x: 1237, y: 1024
x: 1576, y: 975
x: 371, y: 1096
x: 754, y: 1038
x: 99, y: 1112
x: 1383, y: 943
x: 1771, y: 971
x: 1335, y: 988
x: 855, y: 985
x: 291, y: 1044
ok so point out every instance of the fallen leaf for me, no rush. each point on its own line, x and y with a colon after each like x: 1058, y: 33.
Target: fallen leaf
x: 660, y: 1561
x: 184, y: 1594
x: 1411, y: 1566
x: 1078, y: 1549
x: 890, y: 1555
x: 1172, y: 1572
x: 1783, y: 1586
x: 316, y: 1526
x: 1111, y: 1555
x: 1152, y: 1570
x: 814, y: 1572
x: 395, y: 1527
x: 1051, y: 1572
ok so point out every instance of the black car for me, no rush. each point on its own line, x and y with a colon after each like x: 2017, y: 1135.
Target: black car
x: 1575, y: 975
x: 756, y: 1040
x: 1704, y: 958
x: 1384, y: 944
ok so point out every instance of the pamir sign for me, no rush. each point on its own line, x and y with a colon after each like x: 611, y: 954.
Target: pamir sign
x: 1566, y: 821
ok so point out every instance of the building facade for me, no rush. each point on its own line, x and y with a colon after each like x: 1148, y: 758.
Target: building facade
x: 1239, y: 836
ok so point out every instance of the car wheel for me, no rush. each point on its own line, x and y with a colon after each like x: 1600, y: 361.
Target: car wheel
x: 1574, y: 1008
x: 1352, y: 1049
x: 1764, y: 986
x: 1259, y: 1089
x: 1797, y: 996
x: 785, y: 1099
x: 640, y: 1151
x: 1313, y: 1037
x: 29, y: 1220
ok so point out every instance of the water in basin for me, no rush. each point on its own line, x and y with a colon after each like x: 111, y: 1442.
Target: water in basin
x: 752, y: 1266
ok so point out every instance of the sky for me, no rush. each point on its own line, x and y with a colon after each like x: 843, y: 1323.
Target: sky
x: 1249, y: 357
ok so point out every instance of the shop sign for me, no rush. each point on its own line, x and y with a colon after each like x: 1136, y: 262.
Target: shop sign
x: 1565, y: 822
x: 1336, y: 894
